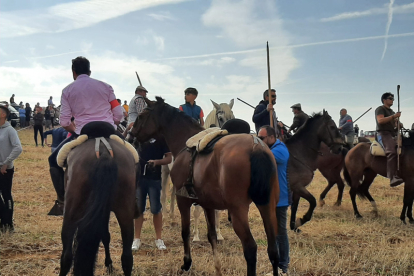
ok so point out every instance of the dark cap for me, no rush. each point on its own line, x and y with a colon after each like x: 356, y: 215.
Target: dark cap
x: 296, y: 106
x: 5, y: 109
x: 141, y: 88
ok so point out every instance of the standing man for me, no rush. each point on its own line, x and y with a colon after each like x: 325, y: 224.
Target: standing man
x: 136, y: 106
x: 346, y: 127
x: 152, y: 155
x: 386, y: 120
x: 126, y: 106
x: 28, y: 114
x: 50, y: 101
x: 299, y: 119
x: 261, y: 115
x: 10, y: 149
x: 268, y: 135
x: 87, y: 100
x: 22, y: 115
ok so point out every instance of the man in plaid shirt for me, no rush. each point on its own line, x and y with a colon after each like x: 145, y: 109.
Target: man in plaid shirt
x: 137, y: 105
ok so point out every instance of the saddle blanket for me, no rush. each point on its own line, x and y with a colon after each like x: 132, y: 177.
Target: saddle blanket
x: 65, y: 150
x: 201, y: 139
x: 377, y: 150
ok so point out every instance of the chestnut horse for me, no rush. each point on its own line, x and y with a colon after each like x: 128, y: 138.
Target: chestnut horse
x: 240, y: 169
x: 361, y: 168
x: 94, y: 188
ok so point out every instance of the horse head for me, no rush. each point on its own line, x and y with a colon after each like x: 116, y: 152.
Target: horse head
x: 329, y: 133
x: 147, y: 125
x: 223, y: 112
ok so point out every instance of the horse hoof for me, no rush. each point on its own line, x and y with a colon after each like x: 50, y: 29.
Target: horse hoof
x: 220, y: 237
x: 297, y: 230
x: 298, y: 223
x: 411, y: 221
x: 186, y: 267
x: 338, y: 203
x: 358, y: 216
x: 321, y: 203
x: 197, y: 239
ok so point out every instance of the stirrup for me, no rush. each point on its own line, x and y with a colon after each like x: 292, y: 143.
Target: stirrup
x: 187, y: 191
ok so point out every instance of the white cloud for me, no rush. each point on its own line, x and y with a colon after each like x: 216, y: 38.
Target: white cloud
x: 50, y: 47
x: 161, y: 16
x: 70, y: 16
x: 159, y: 42
x: 407, y: 8
x: 141, y: 40
x: 3, y: 53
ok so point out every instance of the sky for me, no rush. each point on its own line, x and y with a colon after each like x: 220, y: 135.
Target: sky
x: 325, y: 54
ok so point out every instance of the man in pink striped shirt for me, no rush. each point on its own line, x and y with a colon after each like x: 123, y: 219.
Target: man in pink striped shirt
x: 87, y: 100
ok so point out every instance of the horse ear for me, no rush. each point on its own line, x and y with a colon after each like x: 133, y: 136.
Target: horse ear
x: 216, y: 105
x: 231, y: 103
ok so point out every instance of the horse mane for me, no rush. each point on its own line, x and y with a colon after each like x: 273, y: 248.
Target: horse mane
x: 172, y: 113
x: 305, y: 128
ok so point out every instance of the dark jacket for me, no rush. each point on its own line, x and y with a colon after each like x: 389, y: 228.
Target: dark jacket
x: 38, y: 119
x: 299, y: 120
x: 261, y: 116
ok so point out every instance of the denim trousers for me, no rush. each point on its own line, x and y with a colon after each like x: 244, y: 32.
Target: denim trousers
x: 282, y: 238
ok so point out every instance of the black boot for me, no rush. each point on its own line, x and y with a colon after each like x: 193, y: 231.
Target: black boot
x: 58, y: 179
x: 395, y: 181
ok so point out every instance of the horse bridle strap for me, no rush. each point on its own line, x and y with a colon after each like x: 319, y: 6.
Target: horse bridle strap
x: 107, y: 145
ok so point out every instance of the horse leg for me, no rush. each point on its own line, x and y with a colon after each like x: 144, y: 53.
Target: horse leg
x: 197, y: 212
x: 240, y: 219
x: 106, y: 239
x: 165, y: 172
x: 184, y: 205
x: 294, y: 209
x: 323, y: 194
x: 68, y: 232
x: 341, y: 186
x: 312, y: 205
x: 172, y: 205
x: 126, y: 223
x: 269, y: 218
x: 219, y: 236
x: 353, y: 193
x: 369, y: 177
x: 408, y: 204
x: 210, y: 215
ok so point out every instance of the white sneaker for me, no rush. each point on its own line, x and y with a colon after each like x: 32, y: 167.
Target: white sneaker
x: 160, y: 244
x: 136, y: 244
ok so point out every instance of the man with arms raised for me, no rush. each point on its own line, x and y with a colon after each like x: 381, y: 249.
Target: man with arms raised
x: 86, y: 100
x: 386, y: 120
x: 268, y: 135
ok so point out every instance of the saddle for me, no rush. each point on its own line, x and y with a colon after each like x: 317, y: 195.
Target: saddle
x: 376, y: 149
x: 200, y: 141
x: 100, y: 131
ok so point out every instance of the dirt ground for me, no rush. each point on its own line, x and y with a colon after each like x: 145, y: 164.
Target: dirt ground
x: 332, y: 243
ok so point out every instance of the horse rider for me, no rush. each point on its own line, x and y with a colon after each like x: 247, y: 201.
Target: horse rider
x: 299, y: 119
x: 386, y: 120
x: 136, y: 106
x: 87, y: 100
x: 346, y: 127
x: 261, y: 112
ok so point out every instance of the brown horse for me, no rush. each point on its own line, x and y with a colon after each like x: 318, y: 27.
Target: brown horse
x: 330, y: 165
x: 94, y: 188
x: 239, y: 170
x: 304, y: 151
x: 361, y: 168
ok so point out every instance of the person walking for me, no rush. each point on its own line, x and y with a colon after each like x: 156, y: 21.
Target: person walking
x: 10, y: 149
x: 22, y: 116
x: 152, y: 155
x: 38, y: 125
x: 268, y: 135
x: 346, y: 127
x: 28, y: 114
x: 386, y: 120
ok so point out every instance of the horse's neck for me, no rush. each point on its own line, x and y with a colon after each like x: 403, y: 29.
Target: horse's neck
x: 305, y: 147
x: 177, y: 133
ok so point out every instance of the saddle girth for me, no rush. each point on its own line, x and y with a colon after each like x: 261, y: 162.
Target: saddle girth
x: 98, y: 140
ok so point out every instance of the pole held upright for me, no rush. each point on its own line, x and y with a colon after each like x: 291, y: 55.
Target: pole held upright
x: 269, y: 86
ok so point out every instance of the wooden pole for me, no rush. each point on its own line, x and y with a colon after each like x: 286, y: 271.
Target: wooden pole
x: 269, y: 86
x: 138, y: 78
x: 398, y: 129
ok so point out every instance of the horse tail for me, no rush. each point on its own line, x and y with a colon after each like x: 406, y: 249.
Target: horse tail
x: 347, y: 176
x: 91, y: 227
x: 262, y: 170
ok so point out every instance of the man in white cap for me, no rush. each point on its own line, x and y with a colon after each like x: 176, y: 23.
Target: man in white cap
x: 299, y: 119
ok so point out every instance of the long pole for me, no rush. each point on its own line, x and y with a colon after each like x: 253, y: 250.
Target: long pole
x: 363, y: 114
x: 138, y: 78
x: 398, y: 129
x: 245, y: 103
x: 268, y: 82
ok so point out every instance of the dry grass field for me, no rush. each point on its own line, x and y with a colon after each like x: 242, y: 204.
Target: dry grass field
x: 332, y: 243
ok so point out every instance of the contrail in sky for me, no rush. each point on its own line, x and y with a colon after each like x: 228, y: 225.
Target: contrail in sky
x: 387, y: 29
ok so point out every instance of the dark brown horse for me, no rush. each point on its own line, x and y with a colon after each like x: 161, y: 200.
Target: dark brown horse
x: 239, y: 170
x: 94, y: 188
x: 361, y: 168
x: 304, y: 151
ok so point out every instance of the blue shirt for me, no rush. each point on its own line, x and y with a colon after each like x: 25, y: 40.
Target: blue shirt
x: 22, y: 112
x: 58, y: 135
x: 281, y: 155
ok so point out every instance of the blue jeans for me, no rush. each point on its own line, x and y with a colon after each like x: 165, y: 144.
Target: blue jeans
x: 282, y: 238
x: 153, y: 189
